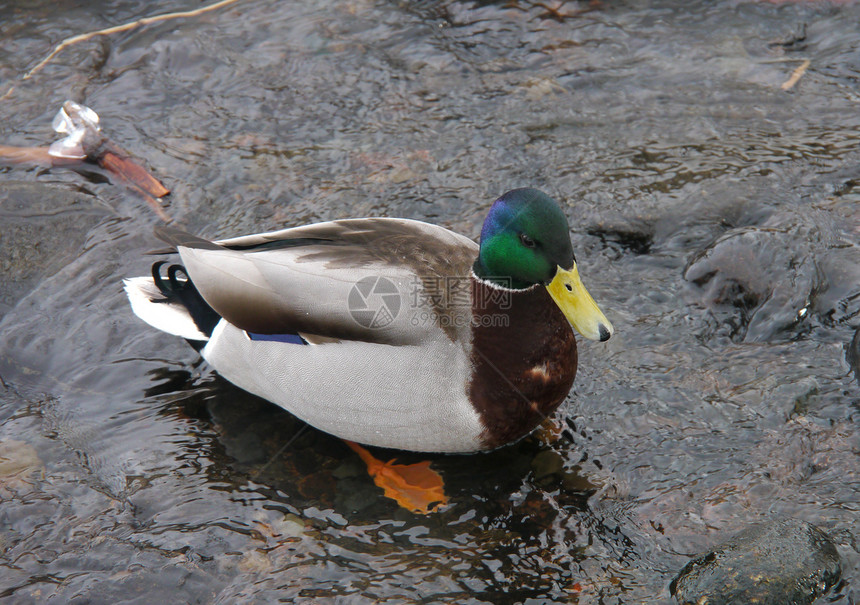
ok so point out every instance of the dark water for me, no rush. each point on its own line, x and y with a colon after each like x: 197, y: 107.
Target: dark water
x: 714, y: 217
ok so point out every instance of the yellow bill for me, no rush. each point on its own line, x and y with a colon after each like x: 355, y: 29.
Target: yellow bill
x: 577, y: 305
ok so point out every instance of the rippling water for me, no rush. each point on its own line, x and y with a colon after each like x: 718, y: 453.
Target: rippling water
x: 714, y: 216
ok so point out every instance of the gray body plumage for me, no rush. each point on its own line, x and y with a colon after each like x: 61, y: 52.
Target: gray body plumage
x: 400, y: 381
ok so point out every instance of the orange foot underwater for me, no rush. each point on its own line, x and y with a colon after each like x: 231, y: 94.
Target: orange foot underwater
x: 415, y: 487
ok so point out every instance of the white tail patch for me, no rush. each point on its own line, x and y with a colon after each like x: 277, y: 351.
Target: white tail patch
x: 172, y: 318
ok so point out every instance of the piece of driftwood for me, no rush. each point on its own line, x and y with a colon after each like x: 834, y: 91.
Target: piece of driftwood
x: 84, y: 142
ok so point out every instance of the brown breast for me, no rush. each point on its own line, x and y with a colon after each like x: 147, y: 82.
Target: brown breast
x: 523, y: 360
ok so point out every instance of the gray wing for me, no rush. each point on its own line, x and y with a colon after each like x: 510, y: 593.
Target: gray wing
x: 369, y: 279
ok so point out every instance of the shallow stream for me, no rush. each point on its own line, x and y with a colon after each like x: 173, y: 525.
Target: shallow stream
x: 715, y: 217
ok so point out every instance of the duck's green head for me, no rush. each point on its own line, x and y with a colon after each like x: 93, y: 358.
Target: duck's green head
x: 525, y: 241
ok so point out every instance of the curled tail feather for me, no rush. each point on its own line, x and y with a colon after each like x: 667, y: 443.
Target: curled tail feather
x: 171, y: 303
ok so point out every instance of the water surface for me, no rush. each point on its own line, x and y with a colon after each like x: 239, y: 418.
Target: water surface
x: 714, y: 217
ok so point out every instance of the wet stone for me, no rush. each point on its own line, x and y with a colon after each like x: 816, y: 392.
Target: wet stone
x: 786, y: 561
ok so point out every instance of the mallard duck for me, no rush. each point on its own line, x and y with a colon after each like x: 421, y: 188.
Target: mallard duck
x: 385, y: 331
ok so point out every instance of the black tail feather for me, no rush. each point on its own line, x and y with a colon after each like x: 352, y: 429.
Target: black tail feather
x: 182, y: 291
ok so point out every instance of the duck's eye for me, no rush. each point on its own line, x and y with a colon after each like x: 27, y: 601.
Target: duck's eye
x: 527, y: 241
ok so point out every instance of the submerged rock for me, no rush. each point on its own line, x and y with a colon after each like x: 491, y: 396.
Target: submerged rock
x: 786, y: 562
x: 18, y: 461
x: 853, y: 355
x: 756, y: 282
x: 44, y: 228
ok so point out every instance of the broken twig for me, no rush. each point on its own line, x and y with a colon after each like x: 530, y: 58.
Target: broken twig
x: 114, y: 30
x: 796, y: 75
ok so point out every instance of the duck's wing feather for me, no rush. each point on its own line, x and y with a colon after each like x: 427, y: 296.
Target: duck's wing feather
x: 372, y: 279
